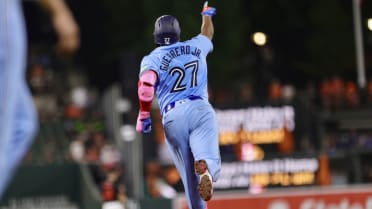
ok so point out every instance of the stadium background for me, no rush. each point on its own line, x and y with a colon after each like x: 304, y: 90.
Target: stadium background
x: 87, y: 154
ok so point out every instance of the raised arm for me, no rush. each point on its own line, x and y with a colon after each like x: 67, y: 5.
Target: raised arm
x: 207, y: 27
x: 64, y: 24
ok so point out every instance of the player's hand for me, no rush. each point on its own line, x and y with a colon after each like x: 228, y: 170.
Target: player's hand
x: 208, y: 11
x: 143, y: 122
x: 67, y: 31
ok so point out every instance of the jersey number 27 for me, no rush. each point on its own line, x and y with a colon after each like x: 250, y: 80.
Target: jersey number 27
x: 181, y: 72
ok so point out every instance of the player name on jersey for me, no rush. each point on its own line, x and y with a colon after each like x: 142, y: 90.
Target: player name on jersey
x: 176, y: 52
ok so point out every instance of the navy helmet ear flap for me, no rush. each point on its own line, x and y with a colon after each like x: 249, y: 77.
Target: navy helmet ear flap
x: 167, y: 30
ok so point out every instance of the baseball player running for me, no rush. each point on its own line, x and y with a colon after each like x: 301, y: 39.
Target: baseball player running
x: 177, y: 72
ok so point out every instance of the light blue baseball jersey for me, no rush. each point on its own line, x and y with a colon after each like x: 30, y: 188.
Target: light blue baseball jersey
x: 181, y: 69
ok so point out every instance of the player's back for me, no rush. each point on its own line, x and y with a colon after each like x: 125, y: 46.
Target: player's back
x: 181, y: 69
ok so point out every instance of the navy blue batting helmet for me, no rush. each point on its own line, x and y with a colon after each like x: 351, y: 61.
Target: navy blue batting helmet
x: 167, y: 30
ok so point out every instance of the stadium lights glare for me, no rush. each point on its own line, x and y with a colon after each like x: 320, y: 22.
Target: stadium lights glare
x: 369, y: 24
x: 259, y: 38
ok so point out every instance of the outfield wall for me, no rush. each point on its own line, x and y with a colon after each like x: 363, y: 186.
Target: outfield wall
x: 67, y: 186
x: 338, y: 197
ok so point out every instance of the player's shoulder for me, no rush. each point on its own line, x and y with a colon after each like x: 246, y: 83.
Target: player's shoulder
x: 150, y: 61
x: 151, y: 56
x: 202, y: 42
x: 152, y: 52
x: 199, y: 38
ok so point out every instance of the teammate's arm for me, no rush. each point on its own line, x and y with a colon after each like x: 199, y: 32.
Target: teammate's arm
x: 146, y: 91
x: 207, y: 27
x: 64, y: 24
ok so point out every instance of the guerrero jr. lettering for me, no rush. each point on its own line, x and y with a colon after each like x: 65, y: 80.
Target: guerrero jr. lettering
x: 176, y: 52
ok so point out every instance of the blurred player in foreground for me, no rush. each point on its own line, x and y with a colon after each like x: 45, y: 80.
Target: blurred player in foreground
x: 177, y: 72
x: 18, y: 117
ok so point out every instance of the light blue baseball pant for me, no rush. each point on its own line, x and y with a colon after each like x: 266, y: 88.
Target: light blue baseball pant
x: 192, y: 134
x: 18, y: 120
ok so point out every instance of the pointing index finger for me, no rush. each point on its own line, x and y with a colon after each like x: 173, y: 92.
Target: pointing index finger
x: 205, y: 4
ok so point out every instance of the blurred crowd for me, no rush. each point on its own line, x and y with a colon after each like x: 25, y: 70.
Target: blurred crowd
x: 337, y: 93
x: 71, y: 124
x: 331, y: 93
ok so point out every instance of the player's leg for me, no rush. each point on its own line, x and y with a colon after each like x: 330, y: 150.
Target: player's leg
x: 185, y: 165
x: 25, y: 125
x: 204, y: 137
x: 23, y: 130
x: 176, y: 131
x: 205, y: 147
x: 12, y: 68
